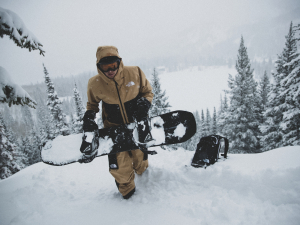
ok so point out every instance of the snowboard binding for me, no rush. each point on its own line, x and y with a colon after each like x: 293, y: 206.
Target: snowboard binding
x: 142, y: 135
x: 89, y: 146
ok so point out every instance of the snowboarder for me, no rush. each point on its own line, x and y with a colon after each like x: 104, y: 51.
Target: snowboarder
x: 126, y: 96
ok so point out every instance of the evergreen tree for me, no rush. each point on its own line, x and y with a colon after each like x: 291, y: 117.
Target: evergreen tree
x: 36, y: 145
x: 79, y: 111
x: 10, y: 162
x: 55, y: 107
x: 160, y: 105
x: 214, y: 128
x: 45, y: 121
x: 208, y: 122
x: 241, y: 122
x: 221, y: 119
x: 264, y: 90
x: 277, y: 129
x: 204, y: 130
x: 27, y: 118
x: 291, y: 93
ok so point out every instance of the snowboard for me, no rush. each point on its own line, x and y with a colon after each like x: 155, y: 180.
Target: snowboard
x: 170, y: 128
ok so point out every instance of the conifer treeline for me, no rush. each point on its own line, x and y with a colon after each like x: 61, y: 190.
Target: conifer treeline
x: 253, y: 116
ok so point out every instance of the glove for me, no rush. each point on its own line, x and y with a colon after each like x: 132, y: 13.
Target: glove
x: 143, y: 106
x: 89, y: 124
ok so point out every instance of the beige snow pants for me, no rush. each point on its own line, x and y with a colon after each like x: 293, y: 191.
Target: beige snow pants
x: 123, y: 165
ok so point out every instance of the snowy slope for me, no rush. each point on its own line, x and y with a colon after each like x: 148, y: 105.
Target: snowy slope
x: 261, y: 188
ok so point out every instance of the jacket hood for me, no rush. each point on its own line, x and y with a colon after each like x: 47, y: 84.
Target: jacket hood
x: 105, y: 51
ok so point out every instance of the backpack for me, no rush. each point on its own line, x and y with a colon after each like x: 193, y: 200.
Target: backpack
x: 207, y: 152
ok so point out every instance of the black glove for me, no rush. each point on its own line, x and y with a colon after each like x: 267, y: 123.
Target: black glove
x: 89, y: 124
x: 143, y: 106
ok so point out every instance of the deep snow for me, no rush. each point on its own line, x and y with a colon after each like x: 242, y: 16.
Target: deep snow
x: 260, y: 188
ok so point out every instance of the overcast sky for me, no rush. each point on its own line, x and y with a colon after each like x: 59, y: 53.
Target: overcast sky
x: 71, y: 30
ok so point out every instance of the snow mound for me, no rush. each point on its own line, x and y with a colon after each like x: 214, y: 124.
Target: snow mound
x: 244, y: 189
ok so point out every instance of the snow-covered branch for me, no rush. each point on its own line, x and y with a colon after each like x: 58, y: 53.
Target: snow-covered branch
x: 13, y: 26
x: 12, y: 93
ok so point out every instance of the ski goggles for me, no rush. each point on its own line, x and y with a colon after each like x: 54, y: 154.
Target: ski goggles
x: 105, y: 67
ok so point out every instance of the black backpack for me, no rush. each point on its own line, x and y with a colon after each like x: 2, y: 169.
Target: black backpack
x: 208, y: 149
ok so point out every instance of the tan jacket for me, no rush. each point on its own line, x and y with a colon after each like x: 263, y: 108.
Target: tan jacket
x: 118, y: 95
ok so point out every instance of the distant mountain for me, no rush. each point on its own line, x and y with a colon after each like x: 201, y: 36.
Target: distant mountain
x: 218, y: 45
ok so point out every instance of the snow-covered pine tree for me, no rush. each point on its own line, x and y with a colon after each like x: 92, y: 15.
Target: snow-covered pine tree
x: 204, y: 130
x: 55, y: 107
x: 241, y: 121
x: 27, y: 118
x: 13, y: 26
x: 221, y: 119
x: 208, y: 122
x: 10, y: 161
x: 26, y: 150
x: 79, y: 111
x: 264, y: 88
x: 291, y: 92
x: 35, y: 147
x: 214, y: 127
x: 275, y: 129
x: 43, y: 136
x: 45, y: 121
x: 160, y: 105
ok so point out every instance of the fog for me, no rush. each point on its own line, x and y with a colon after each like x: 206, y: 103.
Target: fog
x: 145, y: 32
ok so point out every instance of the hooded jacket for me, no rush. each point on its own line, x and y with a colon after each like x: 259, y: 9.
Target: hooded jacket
x: 118, y: 95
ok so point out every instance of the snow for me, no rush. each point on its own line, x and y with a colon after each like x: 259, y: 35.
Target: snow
x: 131, y: 83
x: 67, y: 152
x: 179, y: 131
x: 18, y: 92
x: 244, y: 189
x: 10, y: 22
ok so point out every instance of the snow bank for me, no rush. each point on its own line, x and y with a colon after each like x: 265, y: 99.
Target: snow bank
x: 244, y: 189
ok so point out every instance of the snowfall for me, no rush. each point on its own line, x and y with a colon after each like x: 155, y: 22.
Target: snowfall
x: 261, y: 188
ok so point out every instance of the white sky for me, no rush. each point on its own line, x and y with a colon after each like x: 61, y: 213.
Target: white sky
x: 72, y: 30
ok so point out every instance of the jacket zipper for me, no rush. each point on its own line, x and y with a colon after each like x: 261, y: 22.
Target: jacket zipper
x: 122, y: 109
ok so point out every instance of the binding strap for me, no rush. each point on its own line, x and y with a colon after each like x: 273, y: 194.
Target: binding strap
x: 226, y: 147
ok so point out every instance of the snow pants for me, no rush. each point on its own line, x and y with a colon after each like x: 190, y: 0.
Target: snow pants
x: 123, y: 166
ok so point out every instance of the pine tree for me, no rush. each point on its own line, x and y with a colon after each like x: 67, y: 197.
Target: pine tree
x: 45, y: 121
x: 79, y: 111
x: 276, y: 127
x: 55, y: 107
x: 241, y: 121
x: 35, y: 147
x: 27, y: 118
x: 9, y: 161
x: 160, y: 105
x: 291, y: 92
x: 263, y: 90
x: 208, y: 122
x: 204, y: 130
x: 214, y: 128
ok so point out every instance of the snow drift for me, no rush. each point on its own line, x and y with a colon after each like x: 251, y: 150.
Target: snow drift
x: 244, y: 189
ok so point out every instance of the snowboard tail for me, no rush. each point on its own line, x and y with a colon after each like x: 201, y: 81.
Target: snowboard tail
x: 170, y: 128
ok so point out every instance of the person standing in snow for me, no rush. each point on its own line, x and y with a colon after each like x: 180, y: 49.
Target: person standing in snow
x: 126, y: 96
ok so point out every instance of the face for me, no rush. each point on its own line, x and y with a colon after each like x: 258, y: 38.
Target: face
x: 111, y: 74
